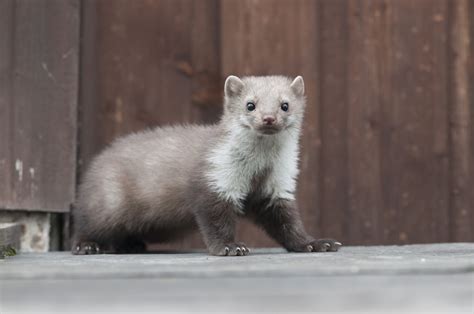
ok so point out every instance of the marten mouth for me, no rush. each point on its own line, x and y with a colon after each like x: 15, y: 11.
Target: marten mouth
x: 268, y: 129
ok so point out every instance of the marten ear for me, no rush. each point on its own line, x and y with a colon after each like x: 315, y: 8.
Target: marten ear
x: 233, y: 86
x: 298, y: 86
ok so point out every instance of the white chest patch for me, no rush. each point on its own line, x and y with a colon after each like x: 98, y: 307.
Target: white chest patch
x: 240, y: 157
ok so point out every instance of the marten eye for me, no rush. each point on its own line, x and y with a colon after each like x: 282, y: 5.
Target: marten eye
x: 250, y: 106
x: 285, y: 106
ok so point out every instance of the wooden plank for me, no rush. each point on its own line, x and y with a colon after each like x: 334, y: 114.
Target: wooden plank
x: 151, y: 64
x: 143, y: 52
x: 169, y: 72
x: 416, y: 160
x: 471, y: 102
x: 460, y: 121
x: 90, y: 116
x: 333, y: 95
x: 207, y: 84
x: 6, y: 71
x: 367, y: 85
x: 42, y: 107
x: 279, y: 37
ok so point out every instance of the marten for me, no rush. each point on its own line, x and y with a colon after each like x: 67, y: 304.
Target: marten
x: 158, y: 185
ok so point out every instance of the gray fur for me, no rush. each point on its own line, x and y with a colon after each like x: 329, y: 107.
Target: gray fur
x: 159, y: 185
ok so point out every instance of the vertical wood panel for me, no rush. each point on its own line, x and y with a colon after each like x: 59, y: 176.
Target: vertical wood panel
x: 366, y: 94
x: 154, y: 63
x: 138, y: 54
x: 471, y: 106
x: 460, y: 122
x: 279, y: 37
x: 207, y: 85
x: 90, y: 123
x: 145, y: 51
x: 333, y: 95
x: 40, y: 104
x: 6, y: 71
x: 417, y: 198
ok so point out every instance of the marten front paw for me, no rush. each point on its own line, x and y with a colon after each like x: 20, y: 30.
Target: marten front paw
x: 321, y: 245
x: 231, y: 249
x: 86, y: 248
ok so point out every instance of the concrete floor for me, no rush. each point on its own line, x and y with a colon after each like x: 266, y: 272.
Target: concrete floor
x: 390, y: 279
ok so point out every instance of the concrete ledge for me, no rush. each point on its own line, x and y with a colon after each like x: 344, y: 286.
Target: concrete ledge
x: 380, y: 279
x: 445, y: 258
x: 10, y: 235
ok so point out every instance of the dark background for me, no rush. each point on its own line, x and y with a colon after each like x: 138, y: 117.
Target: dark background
x: 388, y: 143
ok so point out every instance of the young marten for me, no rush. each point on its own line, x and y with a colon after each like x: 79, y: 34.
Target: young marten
x: 160, y: 184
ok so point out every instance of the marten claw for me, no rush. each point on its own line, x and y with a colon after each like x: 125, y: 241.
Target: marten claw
x: 322, y: 245
x: 330, y: 245
x: 86, y: 248
x: 243, y: 249
x: 232, y: 250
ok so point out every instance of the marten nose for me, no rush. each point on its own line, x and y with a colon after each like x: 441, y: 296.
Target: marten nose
x: 268, y: 120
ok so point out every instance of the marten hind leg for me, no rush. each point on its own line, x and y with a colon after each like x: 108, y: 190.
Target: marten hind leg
x: 89, y: 242
x: 129, y: 245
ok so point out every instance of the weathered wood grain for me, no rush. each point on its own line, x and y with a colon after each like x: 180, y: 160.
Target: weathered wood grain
x: 333, y: 49
x: 39, y: 76
x: 91, y: 129
x: 154, y: 63
x: 471, y: 102
x: 417, y: 145
x: 471, y: 106
x: 6, y: 70
x: 205, y: 74
x: 367, y: 72
x: 460, y: 123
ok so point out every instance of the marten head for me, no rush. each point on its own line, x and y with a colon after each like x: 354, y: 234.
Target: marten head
x: 264, y: 104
